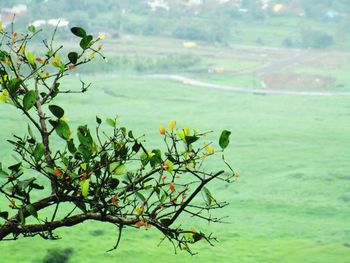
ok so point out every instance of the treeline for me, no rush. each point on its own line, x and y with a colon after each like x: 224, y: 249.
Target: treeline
x: 217, y: 24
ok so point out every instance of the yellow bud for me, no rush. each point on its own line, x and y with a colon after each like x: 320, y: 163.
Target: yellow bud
x: 186, y: 131
x: 162, y: 130
x: 172, y: 125
x: 101, y: 36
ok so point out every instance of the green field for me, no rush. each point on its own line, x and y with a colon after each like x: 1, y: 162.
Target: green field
x: 291, y: 204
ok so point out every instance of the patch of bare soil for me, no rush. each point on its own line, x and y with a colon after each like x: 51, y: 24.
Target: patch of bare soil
x: 298, y: 82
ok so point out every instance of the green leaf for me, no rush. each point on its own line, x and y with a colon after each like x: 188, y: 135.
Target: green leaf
x: 31, y: 209
x: 98, y: 120
x: 23, y: 185
x: 39, y: 152
x: 84, y: 136
x: 191, y: 139
x: 3, y: 174
x: 84, y: 185
x: 31, y: 134
x: 3, y: 56
x: 31, y: 28
x: 85, y: 152
x: 113, y: 183
x: 62, y: 130
x: 120, y: 170
x: 29, y: 100
x: 21, y: 216
x: 85, y: 42
x: 117, y: 168
x: 166, y: 222
x: 111, y: 122
x: 14, y: 85
x: 144, y: 158
x: 78, y: 31
x: 15, y: 167
x: 208, y: 197
x: 73, y: 57
x: 136, y: 147
x: 57, y: 111
x: 169, y: 166
x: 196, y: 237
x: 71, y: 146
x: 141, y: 197
x: 31, y: 58
x: 156, y: 158
x: 224, y: 139
x: 163, y: 197
x: 4, y: 215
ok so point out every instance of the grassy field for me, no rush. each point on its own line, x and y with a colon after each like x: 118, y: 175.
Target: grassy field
x: 290, y: 205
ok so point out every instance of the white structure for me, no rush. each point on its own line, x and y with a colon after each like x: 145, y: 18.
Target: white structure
x: 17, y: 9
x: 38, y: 23
x: 158, y: 4
x: 60, y: 22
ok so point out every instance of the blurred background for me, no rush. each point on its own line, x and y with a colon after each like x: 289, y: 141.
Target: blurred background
x: 275, y: 73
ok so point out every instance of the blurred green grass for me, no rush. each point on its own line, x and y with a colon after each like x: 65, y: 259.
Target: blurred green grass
x: 290, y: 205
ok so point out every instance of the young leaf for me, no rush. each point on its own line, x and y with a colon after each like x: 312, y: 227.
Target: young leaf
x: 224, y: 139
x: 56, y: 111
x: 31, y: 28
x: 117, y: 168
x: 30, y: 58
x: 56, y: 61
x: 78, y: 31
x: 111, y: 122
x: 84, y: 185
x: 120, y: 170
x: 29, y: 100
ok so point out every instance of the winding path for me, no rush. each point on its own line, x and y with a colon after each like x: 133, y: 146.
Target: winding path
x: 202, y: 84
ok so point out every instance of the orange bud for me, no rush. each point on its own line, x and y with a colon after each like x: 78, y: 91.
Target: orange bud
x: 12, y: 203
x: 71, y: 67
x: 172, y: 187
x: 40, y: 60
x: 14, y: 35
x: 163, y: 178
x: 115, y: 200
x: 184, y: 197
x: 57, y: 172
x: 140, y: 223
